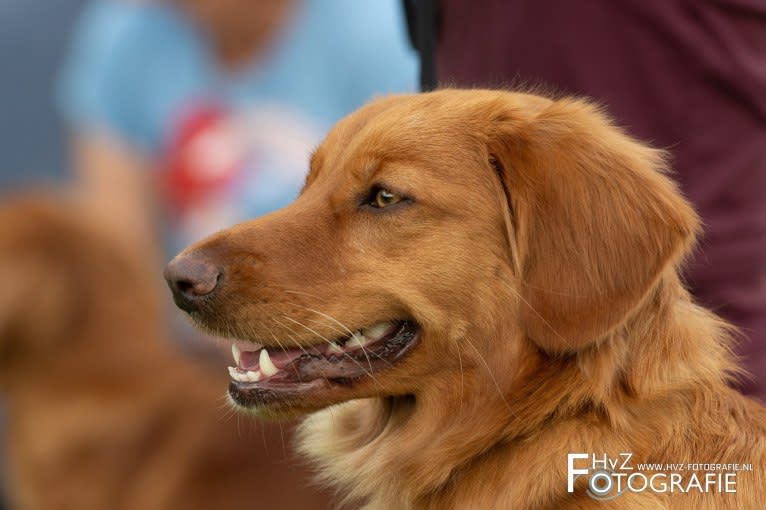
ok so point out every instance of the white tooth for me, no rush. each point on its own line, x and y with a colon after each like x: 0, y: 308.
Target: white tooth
x: 376, y: 331
x: 264, y: 363
x: 357, y: 340
x: 334, y: 348
x: 236, y: 353
x: 240, y: 376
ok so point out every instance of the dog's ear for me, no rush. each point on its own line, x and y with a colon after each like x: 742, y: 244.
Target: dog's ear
x: 598, y: 220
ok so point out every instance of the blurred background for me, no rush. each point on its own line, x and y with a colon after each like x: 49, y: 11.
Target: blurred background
x: 165, y: 121
x: 34, y: 37
x: 161, y: 121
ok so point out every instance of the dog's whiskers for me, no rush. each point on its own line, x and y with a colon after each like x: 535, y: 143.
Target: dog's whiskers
x: 319, y: 322
x: 348, y: 331
x: 345, y: 331
x: 287, y: 331
x: 364, y: 351
x: 462, y: 376
x: 226, y: 408
x: 548, y: 324
x: 327, y: 316
x: 292, y: 337
x: 330, y: 342
x: 340, y: 332
x: 281, y: 346
x: 491, y: 375
x: 371, y: 353
x: 229, y: 412
x: 282, y: 437
x: 301, y: 293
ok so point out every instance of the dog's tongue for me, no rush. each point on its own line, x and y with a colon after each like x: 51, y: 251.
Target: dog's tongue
x: 250, y: 360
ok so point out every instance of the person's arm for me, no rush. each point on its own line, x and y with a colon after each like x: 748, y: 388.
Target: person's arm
x: 115, y: 182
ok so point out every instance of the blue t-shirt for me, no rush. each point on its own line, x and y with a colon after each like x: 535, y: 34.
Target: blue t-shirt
x: 234, y: 145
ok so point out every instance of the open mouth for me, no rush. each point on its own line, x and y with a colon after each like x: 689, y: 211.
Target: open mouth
x: 267, y: 375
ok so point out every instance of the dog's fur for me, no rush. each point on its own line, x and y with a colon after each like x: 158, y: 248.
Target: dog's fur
x: 539, y: 253
x: 102, y: 411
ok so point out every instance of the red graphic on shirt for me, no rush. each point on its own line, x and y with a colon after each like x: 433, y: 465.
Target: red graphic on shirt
x: 202, y: 158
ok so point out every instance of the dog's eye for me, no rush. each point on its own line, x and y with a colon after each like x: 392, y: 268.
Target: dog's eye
x: 381, y: 198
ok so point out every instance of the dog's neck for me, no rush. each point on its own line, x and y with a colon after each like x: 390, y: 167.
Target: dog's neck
x: 385, y: 441
x: 390, y: 445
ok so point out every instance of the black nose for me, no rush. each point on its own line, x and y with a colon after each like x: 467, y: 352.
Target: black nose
x: 190, y: 278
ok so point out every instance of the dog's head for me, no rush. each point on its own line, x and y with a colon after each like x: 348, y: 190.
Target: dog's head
x: 438, y: 234
x: 59, y: 275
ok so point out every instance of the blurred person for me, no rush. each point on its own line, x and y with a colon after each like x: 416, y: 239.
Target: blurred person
x: 198, y: 114
x: 689, y: 77
x: 210, y: 108
x: 187, y: 116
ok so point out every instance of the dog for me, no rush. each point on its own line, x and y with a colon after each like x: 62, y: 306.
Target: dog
x: 476, y: 300
x: 103, y: 410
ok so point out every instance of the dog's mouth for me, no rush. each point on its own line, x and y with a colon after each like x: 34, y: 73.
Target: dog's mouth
x: 269, y: 375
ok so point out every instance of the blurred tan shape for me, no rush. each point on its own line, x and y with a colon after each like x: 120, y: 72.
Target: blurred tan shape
x: 103, y: 412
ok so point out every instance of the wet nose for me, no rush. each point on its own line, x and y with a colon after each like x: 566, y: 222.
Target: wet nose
x: 190, y: 278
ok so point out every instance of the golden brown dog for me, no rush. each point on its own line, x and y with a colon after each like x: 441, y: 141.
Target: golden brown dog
x: 103, y: 412
x: 481, y: 289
